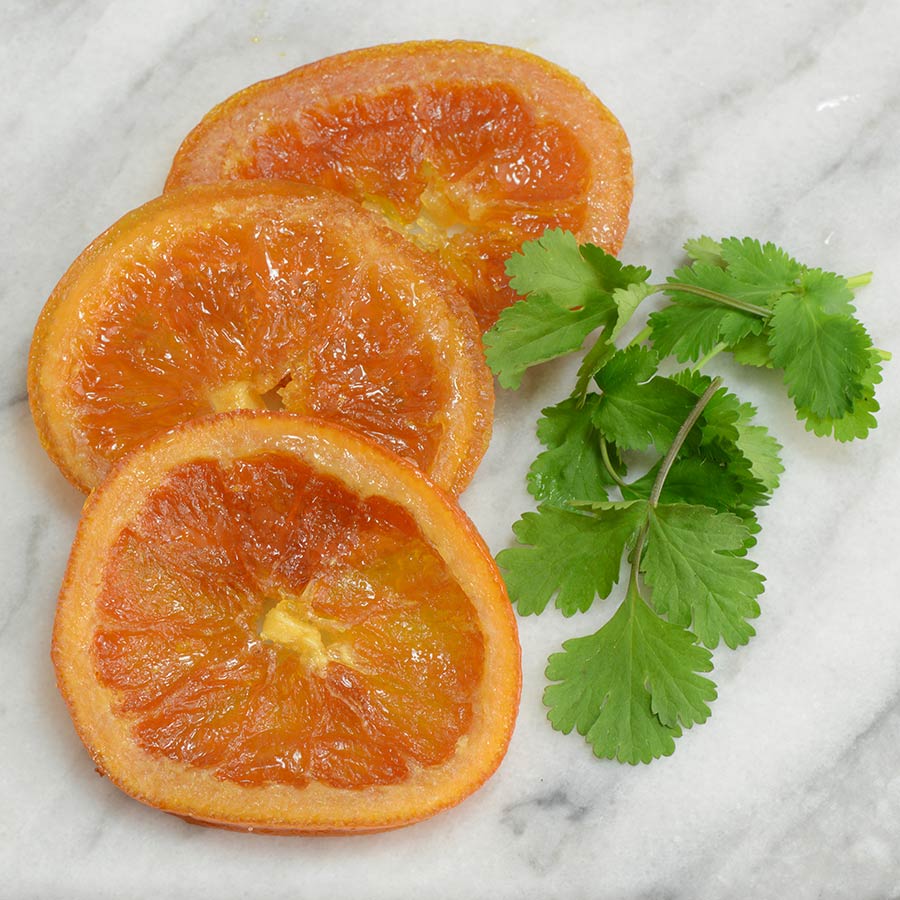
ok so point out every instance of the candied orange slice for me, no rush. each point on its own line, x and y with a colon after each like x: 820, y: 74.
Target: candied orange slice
x: 257, y: 295
x: 270, y: 623
x: 468, y: 148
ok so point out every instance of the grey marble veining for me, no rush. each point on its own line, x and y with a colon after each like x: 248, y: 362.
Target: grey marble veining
x: 744, y: 118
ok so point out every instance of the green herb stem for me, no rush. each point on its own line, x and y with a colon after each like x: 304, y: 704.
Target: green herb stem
x: 604, y: 453
x: 724, y: 299
x: 711, y: 355
x: 641, y: 336
x: 859, y: 280
x: 667, y: 462
x: 680, y: 437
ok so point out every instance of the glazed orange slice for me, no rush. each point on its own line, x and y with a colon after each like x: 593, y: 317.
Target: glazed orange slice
x: 269, y: 623
x: 468, y: 148
x: 257, y: 295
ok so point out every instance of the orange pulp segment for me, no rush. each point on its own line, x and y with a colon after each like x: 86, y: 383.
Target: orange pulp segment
x: 468, y: 148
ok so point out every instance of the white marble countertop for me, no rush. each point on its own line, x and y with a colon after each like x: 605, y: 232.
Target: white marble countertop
x: 744, y: 119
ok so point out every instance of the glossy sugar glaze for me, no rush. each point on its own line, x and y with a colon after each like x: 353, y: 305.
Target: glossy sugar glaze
x: 260, y: 621
x: 468, y: 171
x: 256, y: 314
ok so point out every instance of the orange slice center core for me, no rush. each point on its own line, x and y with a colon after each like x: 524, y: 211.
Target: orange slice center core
x: 292, y: 625
x: 236, y: 395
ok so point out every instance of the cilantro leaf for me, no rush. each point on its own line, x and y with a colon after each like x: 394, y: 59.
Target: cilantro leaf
x: 747, y: 452
x: 695, y: 576
x: 763, y: 453
x: 627, y: 300
x: 743, y: 270
x: 612, y: 273
x: 572, y: 275
x: 823, y: 350
x: 704, y: 249
x: 575, y: 555
x: 861, y: 417
x: 687, y: 329
x: 753, y: 350
x: 594, y: 360
x: 691, y: 480
x: 553, y: 265
x: 638, y: 408
x: 752, y: 273
x: 625, y: 367
x: 632, y: 686
x: 570, y: 291
x: 722, y: 413
x: 536, y: 330
x: 635, y: 416
x: 692, y: 325
x: 736, y: 326
x: 763, y: 265
x: 572, y: 467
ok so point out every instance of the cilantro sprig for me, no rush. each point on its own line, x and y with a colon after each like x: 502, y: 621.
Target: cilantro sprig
x: 685, y: 525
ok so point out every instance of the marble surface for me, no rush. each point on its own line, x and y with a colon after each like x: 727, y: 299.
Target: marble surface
x: 743, y: 119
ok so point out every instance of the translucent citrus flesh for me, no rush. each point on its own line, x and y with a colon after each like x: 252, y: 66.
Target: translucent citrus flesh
x: 254, y: 315
x: 261, y: 621
x: 468, y: 171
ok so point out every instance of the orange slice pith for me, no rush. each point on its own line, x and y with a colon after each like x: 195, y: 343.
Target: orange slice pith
x: 270, y: 623
x: 469, y: 148
x: 248, y: 295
